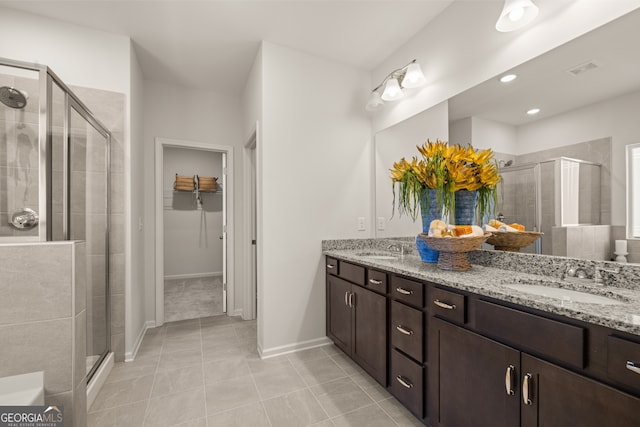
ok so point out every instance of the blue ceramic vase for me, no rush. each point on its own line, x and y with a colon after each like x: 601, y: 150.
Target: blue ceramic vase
x: 430, y: 211
x: 465, y: 212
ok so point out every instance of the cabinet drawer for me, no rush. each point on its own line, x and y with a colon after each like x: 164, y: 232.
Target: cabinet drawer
x: 406, y: 383
x: 448, y: 305
x: 407, y: 330
x: 332, y: 266
x: 351, y: 272
x: 377, y: 281
x: 407, y: 291
x: 526, y: 331
x: 623, y: 361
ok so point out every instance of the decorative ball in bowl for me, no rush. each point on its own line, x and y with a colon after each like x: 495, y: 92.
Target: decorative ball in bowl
x: 512, y: 241
x: 453, y: 250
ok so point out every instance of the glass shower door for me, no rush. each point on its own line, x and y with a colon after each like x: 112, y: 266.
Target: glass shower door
x: 88, y: 220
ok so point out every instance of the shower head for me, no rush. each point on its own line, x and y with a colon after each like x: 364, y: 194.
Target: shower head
x: 13, y: 98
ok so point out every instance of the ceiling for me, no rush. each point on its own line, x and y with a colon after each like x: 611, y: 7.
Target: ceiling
x: 545, y: 83
x: 211, y: 44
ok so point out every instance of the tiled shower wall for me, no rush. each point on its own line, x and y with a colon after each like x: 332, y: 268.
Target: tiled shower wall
x: 43, y: 320
x: 19, y: 171
x: 19, y: 155
x: 109, y: 108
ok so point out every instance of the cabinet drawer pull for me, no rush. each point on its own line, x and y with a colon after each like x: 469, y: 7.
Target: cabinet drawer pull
x: 403, y: 291
x: 375, y: 282
x: 508, y: 380
x: 444, y: 305
x: 330, y: 266
x: 404, y: 382
x: 633, y: 367
x: 404, y: 330
x: 526, y: 384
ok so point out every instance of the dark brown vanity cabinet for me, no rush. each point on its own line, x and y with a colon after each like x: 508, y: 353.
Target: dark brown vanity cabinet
x: 477, y: 383
x: 357, y: 320
x: 557, y: 397
x: 482, y: 382
x: 408, y: 357
x: 460, y: 359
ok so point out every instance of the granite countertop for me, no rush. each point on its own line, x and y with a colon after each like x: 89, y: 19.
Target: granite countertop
x: 491, y: 282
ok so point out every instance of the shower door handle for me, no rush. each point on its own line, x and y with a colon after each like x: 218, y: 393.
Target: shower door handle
x: 26, y: 219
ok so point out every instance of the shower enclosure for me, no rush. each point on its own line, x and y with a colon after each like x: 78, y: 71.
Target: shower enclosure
x: 54, y: 180
x: 560, y: 192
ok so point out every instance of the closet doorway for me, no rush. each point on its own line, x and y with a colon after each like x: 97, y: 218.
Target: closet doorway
x: 192, y: 230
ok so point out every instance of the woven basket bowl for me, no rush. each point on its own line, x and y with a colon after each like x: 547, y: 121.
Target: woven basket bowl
x: 512, y: 241
x: 453, y: 250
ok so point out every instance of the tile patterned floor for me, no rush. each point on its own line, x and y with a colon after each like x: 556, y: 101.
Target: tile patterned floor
x: 192, y: 298
x: 206, y: 372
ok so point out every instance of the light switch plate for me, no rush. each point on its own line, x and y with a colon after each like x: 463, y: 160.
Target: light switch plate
x: 361, y: 223
x: 381, y: 223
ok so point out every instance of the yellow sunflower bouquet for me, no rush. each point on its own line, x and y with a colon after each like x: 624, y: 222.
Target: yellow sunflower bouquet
x: 446, y: 169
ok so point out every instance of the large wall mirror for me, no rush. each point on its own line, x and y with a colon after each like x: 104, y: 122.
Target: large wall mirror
x: 567, y: 165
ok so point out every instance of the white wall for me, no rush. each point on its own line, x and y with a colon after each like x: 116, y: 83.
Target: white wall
x: 457, y: 50
x: 616, y: 118
x: 177, y: 112
x: 252, y: 122
x: 78, y: 55
x: 499, y: 137
x: 134, y: 191
x: 191, y: 229
x: 460, y: 131
x: 390, y: 146
x: 315, y: 183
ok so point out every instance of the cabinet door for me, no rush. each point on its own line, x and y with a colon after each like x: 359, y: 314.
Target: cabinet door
x: 369, y: 345
x: 339, y: 312
x: 469, y: 384
x: 562, y: 398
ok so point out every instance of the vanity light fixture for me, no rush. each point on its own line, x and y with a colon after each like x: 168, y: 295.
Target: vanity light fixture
x: 533, y: 111
x: 409, y: 76
x: 516, y: 14
x: 508, y: 78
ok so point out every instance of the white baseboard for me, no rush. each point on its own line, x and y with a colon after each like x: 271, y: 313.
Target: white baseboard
x: 292, y: 348
x: 131, y: 355
x: 192, y: 275
x: 99, y: 378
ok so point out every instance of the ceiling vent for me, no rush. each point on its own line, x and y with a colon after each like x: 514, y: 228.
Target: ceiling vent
x: 583, y: 68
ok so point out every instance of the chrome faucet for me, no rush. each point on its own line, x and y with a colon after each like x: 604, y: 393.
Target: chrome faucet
x: 597, y: 276
x: 571, y: 270
x: 395, y: 248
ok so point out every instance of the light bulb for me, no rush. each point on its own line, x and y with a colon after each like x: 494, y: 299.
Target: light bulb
x: 516, y: 14
x: 413, y: 76
x: 508, y: 78
x: 533, y: 111
x: 392, y: 90
x: 375, y: 102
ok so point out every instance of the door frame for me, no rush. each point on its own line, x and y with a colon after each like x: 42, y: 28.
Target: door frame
x: 160, y: 144
x: 250, y: 173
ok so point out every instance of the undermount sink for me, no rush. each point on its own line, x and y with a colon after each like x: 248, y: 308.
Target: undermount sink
x: 567, y: 295
x: 378, y: 256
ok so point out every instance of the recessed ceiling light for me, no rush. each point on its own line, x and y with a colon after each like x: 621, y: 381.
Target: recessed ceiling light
x: 508, y: 78
x: 533, y: 111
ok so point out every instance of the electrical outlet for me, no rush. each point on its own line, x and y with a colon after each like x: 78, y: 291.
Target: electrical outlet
x: 381, y: 223
x: 361, y: 224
